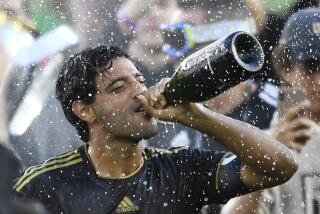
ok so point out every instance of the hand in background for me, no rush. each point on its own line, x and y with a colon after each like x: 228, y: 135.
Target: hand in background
x: 155, y: 104
x: 293, y: 128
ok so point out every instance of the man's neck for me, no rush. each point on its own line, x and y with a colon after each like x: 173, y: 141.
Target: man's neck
x: 115, y: 158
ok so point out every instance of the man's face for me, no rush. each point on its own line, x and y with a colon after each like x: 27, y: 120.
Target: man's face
x: 118, y: 110
x: 307, y: 75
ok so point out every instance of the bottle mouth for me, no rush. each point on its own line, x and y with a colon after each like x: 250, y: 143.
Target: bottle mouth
x: 247, y: 51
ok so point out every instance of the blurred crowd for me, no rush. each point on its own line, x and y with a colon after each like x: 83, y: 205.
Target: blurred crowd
x: 36, y: 37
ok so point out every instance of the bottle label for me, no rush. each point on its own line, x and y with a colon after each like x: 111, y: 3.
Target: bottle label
x: 202, y: 58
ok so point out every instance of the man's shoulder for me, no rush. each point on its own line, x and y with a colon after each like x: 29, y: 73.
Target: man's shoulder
x: 50, y: 166
x: 151, y: 152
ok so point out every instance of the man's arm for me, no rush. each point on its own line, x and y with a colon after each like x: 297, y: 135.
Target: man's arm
x: 291, y: 130
x: 265, y: 162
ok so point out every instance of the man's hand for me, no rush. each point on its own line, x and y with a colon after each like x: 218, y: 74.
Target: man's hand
x: 155, y: 104
x: 293, y: 128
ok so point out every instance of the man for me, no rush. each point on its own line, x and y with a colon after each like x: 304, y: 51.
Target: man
x: 103, y: 95
x: 298, y: 127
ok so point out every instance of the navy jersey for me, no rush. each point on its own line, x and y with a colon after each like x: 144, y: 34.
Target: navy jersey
x: 175, y: 180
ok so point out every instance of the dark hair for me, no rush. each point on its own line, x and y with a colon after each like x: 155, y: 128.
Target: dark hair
x: 77, y: 81
x: 302, y: 4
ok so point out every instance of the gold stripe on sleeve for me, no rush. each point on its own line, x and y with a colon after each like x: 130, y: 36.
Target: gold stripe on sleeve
x: 78, y: 160
x: 44, y: 165
x: 218, y: 169
x: 51, y: 159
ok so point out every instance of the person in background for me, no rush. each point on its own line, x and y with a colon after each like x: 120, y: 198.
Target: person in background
x: 296, y: 60
x: 142, y: 22
x: 33, y: 118
x: 261, y: 92
x: 16, y: 31
x: 95, y: 21
x: 10, y: 162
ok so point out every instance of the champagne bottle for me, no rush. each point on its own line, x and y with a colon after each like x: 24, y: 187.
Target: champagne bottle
x: 215, y: 68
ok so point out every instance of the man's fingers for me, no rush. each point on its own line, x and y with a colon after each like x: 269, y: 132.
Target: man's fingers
x: 301, y: 136
x: 296, y: 111
x: 162, y: 85
x: 295, y: 146
x: 162, y: 103
x: 296, y: 139
x: 155, y: 94
x: 300, y: 123
x: 148, y: 107
x: 154, y: 102
x: 149, y: 95
x: 292, y: 126
x: 288, y: 135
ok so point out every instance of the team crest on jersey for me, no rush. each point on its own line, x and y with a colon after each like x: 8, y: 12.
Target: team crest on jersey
x: 126, y: 205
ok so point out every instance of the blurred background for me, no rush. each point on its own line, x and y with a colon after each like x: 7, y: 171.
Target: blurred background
x: 37, y: 36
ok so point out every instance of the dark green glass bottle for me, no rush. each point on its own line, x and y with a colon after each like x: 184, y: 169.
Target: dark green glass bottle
x: 215, y: 68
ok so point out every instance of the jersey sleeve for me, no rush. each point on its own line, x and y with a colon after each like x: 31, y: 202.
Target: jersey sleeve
x: 209, y: 176
x: 36, y: 189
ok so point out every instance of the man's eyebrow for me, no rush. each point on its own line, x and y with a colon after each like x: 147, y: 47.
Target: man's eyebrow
x: 123, y: 78
x: 138, y: 74
x: 114, y: 81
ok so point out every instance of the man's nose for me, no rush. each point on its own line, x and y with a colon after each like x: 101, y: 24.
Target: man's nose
x: 139, y: 88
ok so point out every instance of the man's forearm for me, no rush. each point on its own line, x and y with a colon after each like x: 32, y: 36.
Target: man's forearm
x: 255, y: 148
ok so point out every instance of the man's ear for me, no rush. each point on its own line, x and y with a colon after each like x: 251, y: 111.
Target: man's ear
x: 84, y: 111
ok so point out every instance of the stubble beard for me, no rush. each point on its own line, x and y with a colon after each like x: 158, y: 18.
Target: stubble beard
x: 131, y: 130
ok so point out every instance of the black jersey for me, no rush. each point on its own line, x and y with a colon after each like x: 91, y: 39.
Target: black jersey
x: 175, y: 180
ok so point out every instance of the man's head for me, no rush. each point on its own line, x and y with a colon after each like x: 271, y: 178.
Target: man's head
x: 297, y: 57
x: 97, y: 89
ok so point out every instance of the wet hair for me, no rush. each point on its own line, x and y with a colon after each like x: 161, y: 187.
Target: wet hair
x: 77, y: 81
